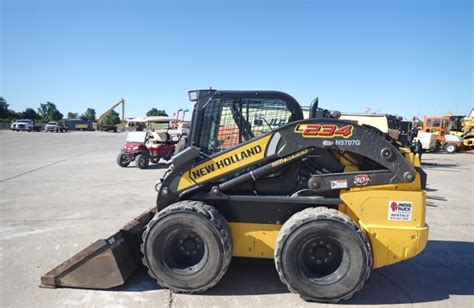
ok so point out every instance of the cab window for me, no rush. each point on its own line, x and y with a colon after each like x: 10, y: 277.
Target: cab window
x: 227, y: 122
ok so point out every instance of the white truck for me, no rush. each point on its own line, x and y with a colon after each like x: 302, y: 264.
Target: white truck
x: 25, y: 125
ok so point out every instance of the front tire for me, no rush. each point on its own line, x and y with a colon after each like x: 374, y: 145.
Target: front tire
x: 187, y: 247
x: 122, y: 160
x: 322, y: 255
x: 142, y: 161
x: 451, y: 148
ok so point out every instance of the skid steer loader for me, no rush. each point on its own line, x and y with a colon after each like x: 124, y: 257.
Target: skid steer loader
x: 327, y: 199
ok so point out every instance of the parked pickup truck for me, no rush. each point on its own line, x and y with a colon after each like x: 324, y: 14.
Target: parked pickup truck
x: 54, y: 127
x: 25, y: 125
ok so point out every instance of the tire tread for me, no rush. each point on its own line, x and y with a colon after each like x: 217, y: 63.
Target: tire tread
x: 312, y: 214
x: 210, y: 213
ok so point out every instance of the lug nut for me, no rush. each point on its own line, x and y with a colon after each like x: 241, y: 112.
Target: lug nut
x: 330, y: 253
x: 328, y: 246
x: 326, y: 260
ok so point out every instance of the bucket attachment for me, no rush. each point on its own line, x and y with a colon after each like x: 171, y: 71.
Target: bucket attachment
x: 105, y: 264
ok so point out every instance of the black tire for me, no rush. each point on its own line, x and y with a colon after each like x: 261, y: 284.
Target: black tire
x: 122, y: 160
x: 322, y: 255
x: 187, y: 247
x: 142, y: 161
x: 451, y: 148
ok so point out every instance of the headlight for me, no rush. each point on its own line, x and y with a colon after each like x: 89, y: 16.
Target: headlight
x: 193, y: 95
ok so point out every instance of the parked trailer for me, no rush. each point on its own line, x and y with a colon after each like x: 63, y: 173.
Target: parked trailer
x: 78, y: 124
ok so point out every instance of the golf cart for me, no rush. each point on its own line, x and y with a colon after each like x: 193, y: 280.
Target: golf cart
x: 145, y: 148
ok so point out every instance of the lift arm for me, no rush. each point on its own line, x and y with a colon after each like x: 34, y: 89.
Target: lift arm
x: 102, y: 116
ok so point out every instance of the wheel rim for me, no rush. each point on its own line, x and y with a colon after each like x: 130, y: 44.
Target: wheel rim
x: 323, y: 260
x: 184, y: 252
x: 123, y: 160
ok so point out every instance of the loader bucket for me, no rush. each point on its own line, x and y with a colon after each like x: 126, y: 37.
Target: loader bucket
x: 105, y: 264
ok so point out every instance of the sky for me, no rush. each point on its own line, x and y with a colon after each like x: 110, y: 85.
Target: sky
x: 399, y: 57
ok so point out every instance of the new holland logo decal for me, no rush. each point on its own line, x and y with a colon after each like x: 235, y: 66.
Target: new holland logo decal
x: 324, y: 130
x: 227, y: 162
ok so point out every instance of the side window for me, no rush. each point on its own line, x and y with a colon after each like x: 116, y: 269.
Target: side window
x: 227, y: 122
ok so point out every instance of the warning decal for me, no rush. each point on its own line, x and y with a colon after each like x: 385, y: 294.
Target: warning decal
x: 338, y: 184
x: 400, y: 210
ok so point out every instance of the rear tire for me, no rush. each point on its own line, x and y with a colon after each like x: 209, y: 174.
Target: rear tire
x: 322, y: 255
x: 187, y: 247
x: 142, y: 161
x: 122, y: 160
x: 451, y: 148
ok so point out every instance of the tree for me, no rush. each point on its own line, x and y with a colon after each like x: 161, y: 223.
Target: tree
x: 49, y: 112
x: 155, y: 112
x: 72, y: 115
x: 30, y: 113
x: 112, y: 118
x: 4, y: 108
x: 89, y: 115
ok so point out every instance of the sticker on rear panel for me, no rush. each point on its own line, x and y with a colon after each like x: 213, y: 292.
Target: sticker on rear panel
x: 338, y: 184
x: 400, y: 210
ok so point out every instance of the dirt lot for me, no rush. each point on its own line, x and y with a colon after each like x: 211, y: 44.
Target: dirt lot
x: 60, y: 192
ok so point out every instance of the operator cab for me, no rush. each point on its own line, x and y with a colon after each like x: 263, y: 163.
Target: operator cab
x: 224, y: 119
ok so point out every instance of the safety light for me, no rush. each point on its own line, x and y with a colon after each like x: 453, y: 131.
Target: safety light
x: 193, y: 95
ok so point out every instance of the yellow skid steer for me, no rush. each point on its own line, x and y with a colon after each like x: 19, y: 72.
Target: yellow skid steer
x: 327, y: 199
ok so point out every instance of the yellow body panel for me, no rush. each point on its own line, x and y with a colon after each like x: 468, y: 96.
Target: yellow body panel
x: 254, y: 240
x: 391, y: 241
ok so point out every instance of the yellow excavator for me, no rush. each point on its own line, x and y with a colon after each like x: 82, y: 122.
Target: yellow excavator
x: 100, y: 126
x: 328, y: 199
